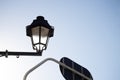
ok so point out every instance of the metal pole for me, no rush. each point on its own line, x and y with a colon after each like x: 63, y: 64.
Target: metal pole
x: 54, y: 60
x: 6, y: 54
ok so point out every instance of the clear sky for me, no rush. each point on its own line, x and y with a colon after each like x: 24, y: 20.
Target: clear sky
x: 86, y: 31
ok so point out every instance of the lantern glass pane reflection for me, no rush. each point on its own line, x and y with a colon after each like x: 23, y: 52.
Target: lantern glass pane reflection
x: 39, y: 38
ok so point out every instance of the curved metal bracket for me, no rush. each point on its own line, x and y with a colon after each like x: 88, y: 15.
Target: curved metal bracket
x: 54, y: 60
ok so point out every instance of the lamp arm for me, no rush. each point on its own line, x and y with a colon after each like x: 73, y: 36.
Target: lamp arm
x: 14, y: 53
x: 56, y: 61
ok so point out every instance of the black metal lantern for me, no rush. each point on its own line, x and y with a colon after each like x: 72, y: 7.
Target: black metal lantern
x: 40, y: 31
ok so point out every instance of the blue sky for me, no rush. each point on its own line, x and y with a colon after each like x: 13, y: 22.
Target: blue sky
x: 86, y: 31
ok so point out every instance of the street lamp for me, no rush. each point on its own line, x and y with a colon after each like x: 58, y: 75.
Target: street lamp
x: 39, y: 31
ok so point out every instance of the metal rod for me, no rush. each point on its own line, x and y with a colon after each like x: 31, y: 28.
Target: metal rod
x: 54, y: 60
x: 6, y: 53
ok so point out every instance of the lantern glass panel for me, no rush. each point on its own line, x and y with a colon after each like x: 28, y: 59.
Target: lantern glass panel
x: 40, y: 37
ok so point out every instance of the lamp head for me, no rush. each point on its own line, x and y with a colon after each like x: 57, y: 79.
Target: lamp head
x: 39, y: 31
